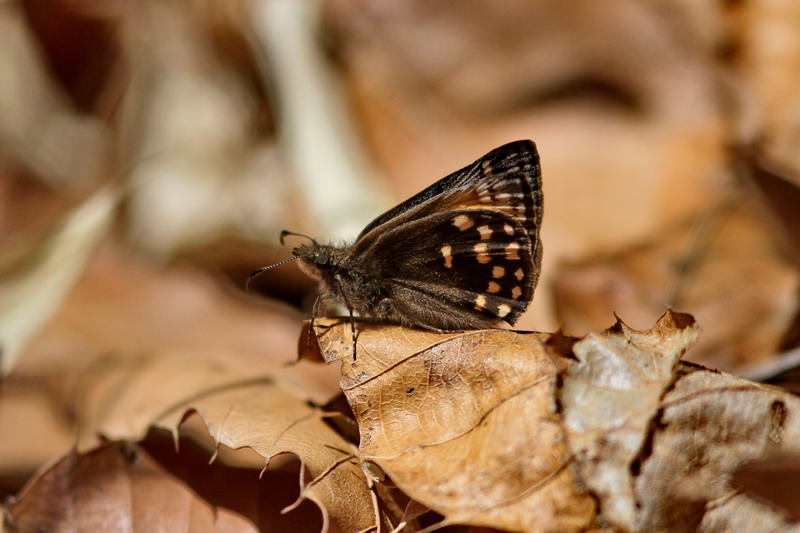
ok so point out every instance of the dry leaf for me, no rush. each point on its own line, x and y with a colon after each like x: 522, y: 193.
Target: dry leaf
x: 116, y: 487
x: 778, y: 189
x: 46, y: 433
x: 727, y: 268
x: 177, y: 310
x: 658, y: 441
x: 710, y: 425
x: 123, y: 399
x: 464, y: 423
x: 609, y: 399
x: 532, y: 432
x: 311, y: 110
x: 34, y: 286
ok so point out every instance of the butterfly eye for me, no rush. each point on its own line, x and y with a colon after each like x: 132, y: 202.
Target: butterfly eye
x: 321, y: 259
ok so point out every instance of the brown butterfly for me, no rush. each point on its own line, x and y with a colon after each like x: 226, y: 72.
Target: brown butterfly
x: 462, y: 254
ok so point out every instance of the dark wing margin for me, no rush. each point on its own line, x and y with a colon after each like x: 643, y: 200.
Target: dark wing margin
x: 516, y: 161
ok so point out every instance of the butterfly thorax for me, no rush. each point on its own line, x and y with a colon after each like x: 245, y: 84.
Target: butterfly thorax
x: 341, y: 279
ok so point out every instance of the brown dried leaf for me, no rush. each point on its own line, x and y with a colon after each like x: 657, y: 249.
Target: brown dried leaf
x: 177, y: 310
x: 710, y: 425
x: 240, y: 409
x: 527, y: 432
x: 778, y: 189
x: 728, y: 269
x: 658, y: 441
x: 464, y: 423
x: 116, y: 487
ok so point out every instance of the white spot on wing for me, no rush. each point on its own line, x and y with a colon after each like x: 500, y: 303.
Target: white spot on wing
x: 482, y: 252
x: 463, y: 222
x: 512, y: 251
x: 447, y: 253
x: 485, y: 231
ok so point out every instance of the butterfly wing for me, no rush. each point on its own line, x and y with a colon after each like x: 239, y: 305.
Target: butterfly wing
x: 465, y: 252
x: 458, y: 269
x: 507, y: 179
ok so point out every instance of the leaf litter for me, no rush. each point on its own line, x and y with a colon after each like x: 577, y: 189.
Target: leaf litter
x: 123, y: 400
x: 116, y: 487
x: 538, y: 432
x: 518, y: 431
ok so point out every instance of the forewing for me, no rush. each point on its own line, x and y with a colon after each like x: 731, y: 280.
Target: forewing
x: 507, y: 179
x: 456, y: 269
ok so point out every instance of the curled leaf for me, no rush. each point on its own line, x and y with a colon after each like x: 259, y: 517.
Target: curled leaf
x: 609, y: 397
x: 240, y: 409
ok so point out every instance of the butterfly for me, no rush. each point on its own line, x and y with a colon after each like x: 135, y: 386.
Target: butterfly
x: 464, y: 253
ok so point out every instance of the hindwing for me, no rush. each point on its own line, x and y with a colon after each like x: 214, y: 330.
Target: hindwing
x: 465, y: 268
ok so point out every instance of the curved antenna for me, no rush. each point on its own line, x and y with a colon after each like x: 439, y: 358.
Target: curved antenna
x: 284, y: 233
x: 258, y: 271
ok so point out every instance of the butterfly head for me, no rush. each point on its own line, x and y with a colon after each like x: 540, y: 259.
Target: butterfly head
x: 320, y: 261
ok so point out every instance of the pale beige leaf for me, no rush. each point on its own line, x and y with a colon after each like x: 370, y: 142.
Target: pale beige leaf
x: 609, y: 398
x: 312, y: 115
x: 34, y: 284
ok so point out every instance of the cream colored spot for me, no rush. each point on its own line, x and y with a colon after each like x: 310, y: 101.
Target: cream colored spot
x: 519, y: 274
x: 447, y: 253
x: 482, y: 252
x: 512, y: 251
x: 485, y: 232
x: 509, y: 229
x: 480, y: 302
x: 516, y: 292
x: 493, y: 287
x: 503, y: 310
x: 498, y: 272
x: 487, y: 166
x: 463, y: 222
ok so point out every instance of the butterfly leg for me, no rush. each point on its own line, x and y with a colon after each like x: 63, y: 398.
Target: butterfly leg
x: 314, y: 315
x: 314, y: 310
x: 353, y: 331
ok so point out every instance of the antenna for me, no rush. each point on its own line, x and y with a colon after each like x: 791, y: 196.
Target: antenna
x: 258, y: 271
x: 285, y: 233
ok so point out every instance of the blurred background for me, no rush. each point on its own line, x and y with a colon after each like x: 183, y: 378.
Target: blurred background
x: 152, y: 151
